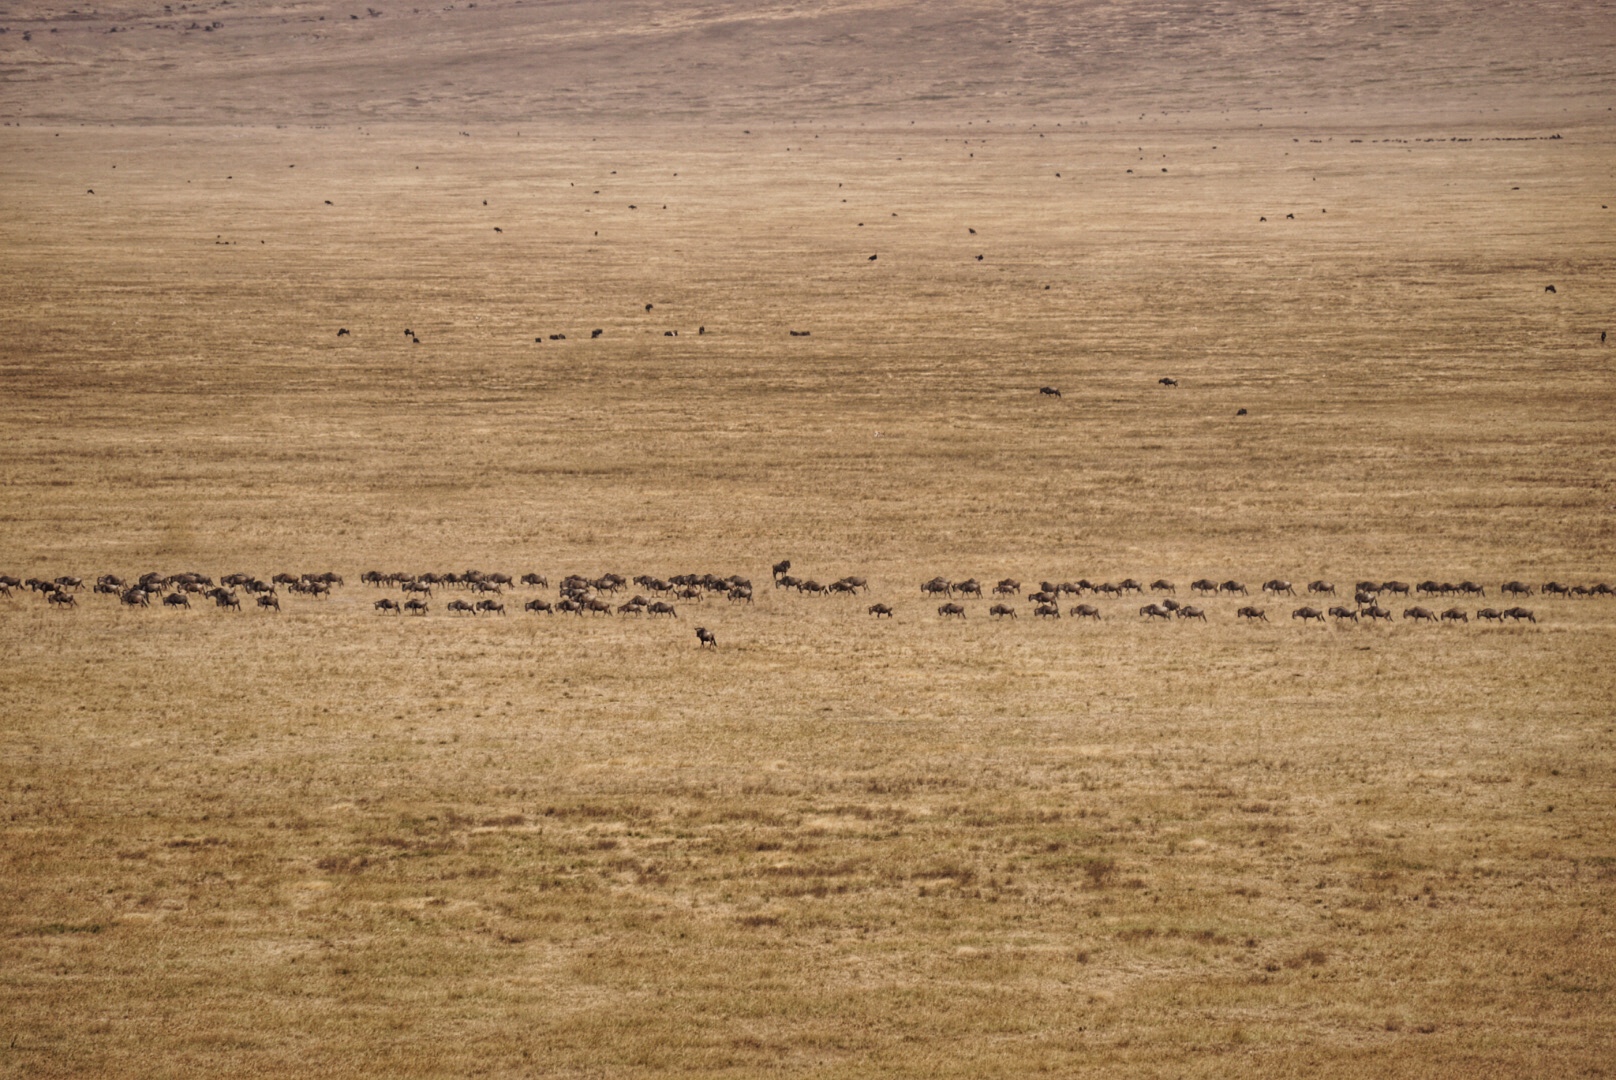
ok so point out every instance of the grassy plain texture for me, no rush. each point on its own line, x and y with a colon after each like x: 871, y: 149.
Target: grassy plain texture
x: 333, y: 843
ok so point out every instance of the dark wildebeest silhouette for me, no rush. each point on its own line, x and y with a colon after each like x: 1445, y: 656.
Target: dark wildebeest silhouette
x: 935, y: 586
x: 1318, y: 588
x: 1419, y: 614
x: 415, y: 607
x: 1047, y: 611
x: 177, y: 600
x: 1492, y: 614
x: 661, y: 608
x: 1203, y: 585
x: 969, y: 587
x: 1162, y: 585
x: 269, y: 602
x: 593, y: 334
x: 1276, y: 586
x: 1168, y: 381
x: 461, y: 607
x: 879, y: 610
x: 1049, y: 391
x: 782, y: 567
x: 385, y: 605
x: 67, y: 599
x: 999, y: 611
x: 1084, y: 611
x: 343, y: 332
x: 1234, y: 587
x: 1519, y: 613
x: 951, y: 609
x: 1549, y: 288
x: 1252, y: 613
x: 1375, y: 611
x: 705, y: 637
x: 1343, y: 613
x: 537, y: 606
x: 1454, y: 614
x: 1306, y: 613
x: 1156, y: 611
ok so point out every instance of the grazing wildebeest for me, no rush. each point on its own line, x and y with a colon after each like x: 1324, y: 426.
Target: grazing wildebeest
x: 951, y: 609
x: 1007, y: 587
x: 1454, y: 614
x: 1156, y: 611
x: 1162, y: 585
x: 1343, y: 613
x: 1168, y: 381
x: 1519, y: 613
x: 1203, y: 585
x: 1375, y: 611
x: 1190, y: 611
x: 1047, y: 611
x: 1306, y: 613
x: 1084, y: 611
x: 879, y: 610
x: 415, y: 607
x: 704, y: 637
x: 1492, y: 614
x: 661, y: 608
x: 1549, y: 288
x: 67, y: 599
x: 386, y: 605
x: 781, y: 567
x: 1515, y: 588
x: 1277, y: 586
x: 267, y: 602
x: 1240, y: 412
x: 1252, y: 613
x: 1049, y: 391
x: 537, y: 606
x: 999, y: 611
x: 1318, y: 588
x: 1419, y: 614
x: 462, y: 607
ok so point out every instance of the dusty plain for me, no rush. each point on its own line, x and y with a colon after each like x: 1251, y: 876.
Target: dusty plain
x: 330, y: 843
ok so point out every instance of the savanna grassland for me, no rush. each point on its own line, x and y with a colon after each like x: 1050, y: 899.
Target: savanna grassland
x: 330, y: 842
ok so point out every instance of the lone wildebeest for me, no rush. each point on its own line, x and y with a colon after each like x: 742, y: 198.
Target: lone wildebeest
x: 705, y: 637
x: 1549, y: 288
x: 1252, y: 613
x: 999, y: 611
x: 593, y: 334
x: 343, y: 332
x: 1049, y: 391
x: 879, y: 610
x: 951, y: 609
x: 1419, y: 614
x: 1084, y: 611
x: 1168, y: 381
x: 1156, y: 611
x: 1306, y: 613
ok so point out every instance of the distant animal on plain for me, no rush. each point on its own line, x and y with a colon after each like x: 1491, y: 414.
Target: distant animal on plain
x: 1549, y: 288
x: 1084, y: 611
x: 1168, y: 381
x: 705, y: 637
x: 879, y: 610
x: 1049, y: 391
x: 951, y: 609
x: 1307, y: 613
x: 343, y: 332
x: 1252, y: 613
x: 999, y: 611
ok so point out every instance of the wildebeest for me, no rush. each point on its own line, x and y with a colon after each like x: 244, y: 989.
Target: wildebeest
x: 1375, y: 611
x: 1190, y: 611
x: 1252, y: 613
x: 1156, y: 611
x: 490, y: 607
x: 661, y: 608
x: 177, y: 599
x: 1519, y: 613
x: 1234, y: 587
x: 461, y: 607
x: 1419, y: 614
x: 1047, y: 611
x: 537, y: 606
x: 1515, y: 588
x: 1276, y: 586
x: 879, y: 610
x: 704, y: 637
x: 1306, y: 613
x: 1549, y: 288
x: 1454, y: 614
x: 1203, y: 585
x: 268, y: 602
x: 969, y: 587
x: 1362, y: 598
x: 385, y: 605
x: 1049, y: 391
x: 1007, y: 587
x: 342, y: 332
x: 1168, y: 381
x: 67, y: 599
x: 951, y: 609
x: 226, y: 600
x: 136, y: 597
x: 1084, y: 611
x: 1428, y: 588
x: 1394, y: 588
x: 999, y: 611
x: 1490, y: 614
x: 593, y: 334
x: 415, y: 607
x: 935, y: 586
x: 1318, y: 588
x: 1162, y: 585
x: 1343, y: 613
x: 1471, y: 588
x: 1129, y: 585
x: 782, y: 567
x: 1554, y: 588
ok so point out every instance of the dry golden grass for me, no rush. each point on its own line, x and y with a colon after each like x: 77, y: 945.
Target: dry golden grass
x: 331, y: 843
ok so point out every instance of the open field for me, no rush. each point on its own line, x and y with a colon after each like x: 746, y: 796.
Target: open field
x: 330, y: 842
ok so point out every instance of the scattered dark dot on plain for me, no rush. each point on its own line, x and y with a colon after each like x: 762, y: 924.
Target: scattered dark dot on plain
x: 872, y: 258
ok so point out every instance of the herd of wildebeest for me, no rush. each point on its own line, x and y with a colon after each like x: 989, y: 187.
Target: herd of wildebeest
x: 476, y: 593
